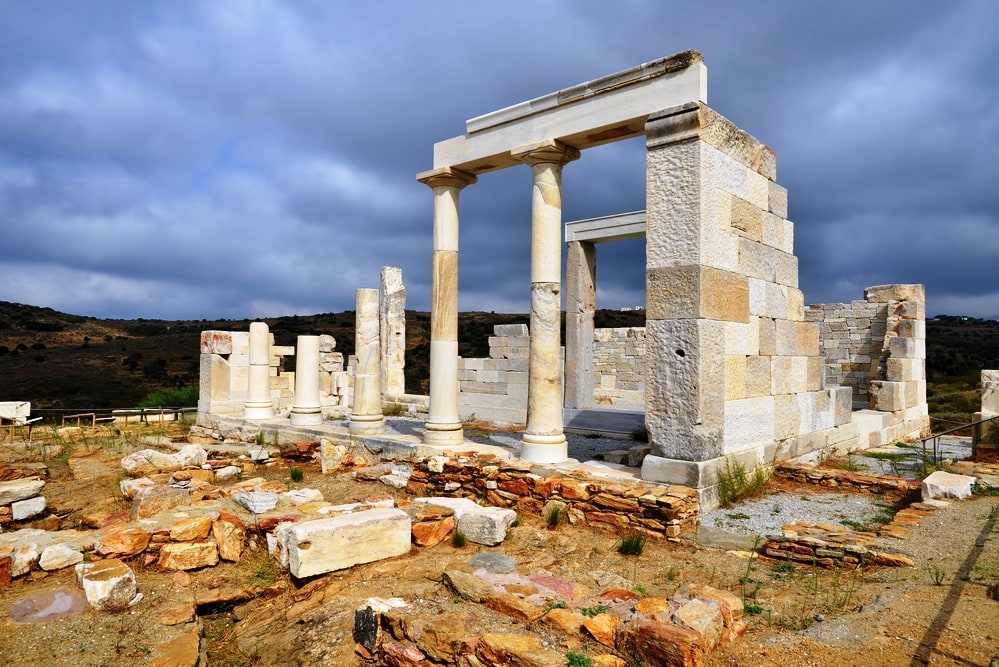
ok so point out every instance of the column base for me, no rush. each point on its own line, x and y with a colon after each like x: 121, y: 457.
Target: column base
x: 366, y: 424
x: 544, y: 448
x: 306, y: 417
x: 258, y: 411
x: 443, y: 434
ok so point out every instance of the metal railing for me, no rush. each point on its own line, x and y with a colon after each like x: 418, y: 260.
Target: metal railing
x: 976, y: 428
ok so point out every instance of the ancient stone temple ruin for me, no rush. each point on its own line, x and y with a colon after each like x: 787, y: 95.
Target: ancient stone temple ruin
x: 731, y: 363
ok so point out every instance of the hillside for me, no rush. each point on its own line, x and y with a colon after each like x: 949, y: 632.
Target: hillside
x: 62, y: 361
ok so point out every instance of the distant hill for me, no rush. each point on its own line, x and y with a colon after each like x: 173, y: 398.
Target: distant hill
x: 62, y: 361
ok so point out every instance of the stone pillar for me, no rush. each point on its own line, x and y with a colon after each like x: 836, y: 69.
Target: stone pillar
x: 580, y: 304
x: 306, y: 409
x: 258, y: 392
x: 544, y: 440
x: 392, y: 316
x: 366, y: 415
x: 443, y: 425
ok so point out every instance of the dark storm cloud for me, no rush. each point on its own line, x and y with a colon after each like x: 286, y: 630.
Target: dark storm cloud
x: 234, y: 159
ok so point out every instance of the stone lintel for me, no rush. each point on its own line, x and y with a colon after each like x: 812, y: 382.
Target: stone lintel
x: 697, y: 121
x: 596, y: 112
x: 619, y: 227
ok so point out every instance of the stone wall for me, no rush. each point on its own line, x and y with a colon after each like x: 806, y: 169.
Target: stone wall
x: 619, y: 367
x: 495, y: 389
x: 851, y: 338
x: 225, y: 364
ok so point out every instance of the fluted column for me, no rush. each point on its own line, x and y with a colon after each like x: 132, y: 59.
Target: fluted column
x: 544, y: 440
x: 258, y: 392
x: 366, y: 416
x: 306, y: 409
x: 443, y: 425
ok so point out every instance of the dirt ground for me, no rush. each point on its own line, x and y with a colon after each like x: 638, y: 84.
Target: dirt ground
x: 942, y: 611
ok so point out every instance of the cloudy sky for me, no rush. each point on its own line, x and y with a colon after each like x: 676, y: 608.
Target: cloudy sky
x: 212, y: 158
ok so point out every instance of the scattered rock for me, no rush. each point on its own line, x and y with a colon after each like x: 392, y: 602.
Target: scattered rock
x: 257, y: 502
x: 57, y: 556
x: 19, y: 489
x: 108, y: 584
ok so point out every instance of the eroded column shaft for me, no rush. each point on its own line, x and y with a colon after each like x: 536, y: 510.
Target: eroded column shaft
x: 544, y: 440
x: 366, y: 414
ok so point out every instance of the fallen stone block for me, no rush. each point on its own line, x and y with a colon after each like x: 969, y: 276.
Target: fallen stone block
x: 188, y: 555
x: 58, y: 556
x: 502, y: 648
x: 481, y: 525
x: 25, y: 509
x: 152, y: 500
x: 23, y: 558
x: 19, y: 489
x: 148, y: 461
x: 257, y: 502
x: 325, y: 545
x: 660, y: 643
x: 123, y: 540
x: 108, y: 584
x: 230, y: 534
x: 942, y: 484
x: 189, y: 529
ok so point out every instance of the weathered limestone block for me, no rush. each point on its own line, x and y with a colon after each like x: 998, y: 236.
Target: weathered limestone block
x: 685, y: 360
x: 59, y: 555
x: 188, y: 555
x: 108, y: 584
x: 749, y: 422
x: 190, y: 528
x: 152, y: 500
x: 661, y: 643
x: 23, y: 558
x: 906, y: 348
x: 942, y: 484
x: 214, y: 379
x: 886, y: 293
x: 481, y: 525
x: 149, y: 461
x: 257, y: 502
x: 25, y: 509
x: 230, y: 535
x: 705, y: 618
x: 216, y: 342
x: 903, y: 370
x: 325, y: 545
x: 887, y: 396
x: 123, y: 540
x: 697, y: 292
x: 990, y: 392
x: 20, y: 489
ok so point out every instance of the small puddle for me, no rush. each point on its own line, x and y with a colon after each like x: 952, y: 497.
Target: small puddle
x: 46, y: 606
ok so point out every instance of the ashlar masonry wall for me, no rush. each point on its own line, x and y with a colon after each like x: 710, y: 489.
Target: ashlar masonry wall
x: 619, y: 367
x: 225, y: 366
x: 878, y: 348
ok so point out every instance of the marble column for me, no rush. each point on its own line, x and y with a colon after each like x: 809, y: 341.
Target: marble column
x: 306, y: 409
x: 443, y: 425
x: 392, y: 311
x: 366, y: 414
x: 580, y: 305
x: 544, y: 440
x: 258, y: 392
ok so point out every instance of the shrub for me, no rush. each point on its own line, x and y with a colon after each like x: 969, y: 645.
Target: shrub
x: 175, y: 397
x: 297, y: 474
x: 458, y: 539
x: 734, y: 483
x: 632, y: 544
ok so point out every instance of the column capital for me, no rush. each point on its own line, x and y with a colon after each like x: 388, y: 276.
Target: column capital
x: 446, y: 177
x: 551, y: 151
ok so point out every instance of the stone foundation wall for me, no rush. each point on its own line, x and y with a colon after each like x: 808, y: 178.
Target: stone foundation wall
x: 619, y: 367
x: 663, y: 511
